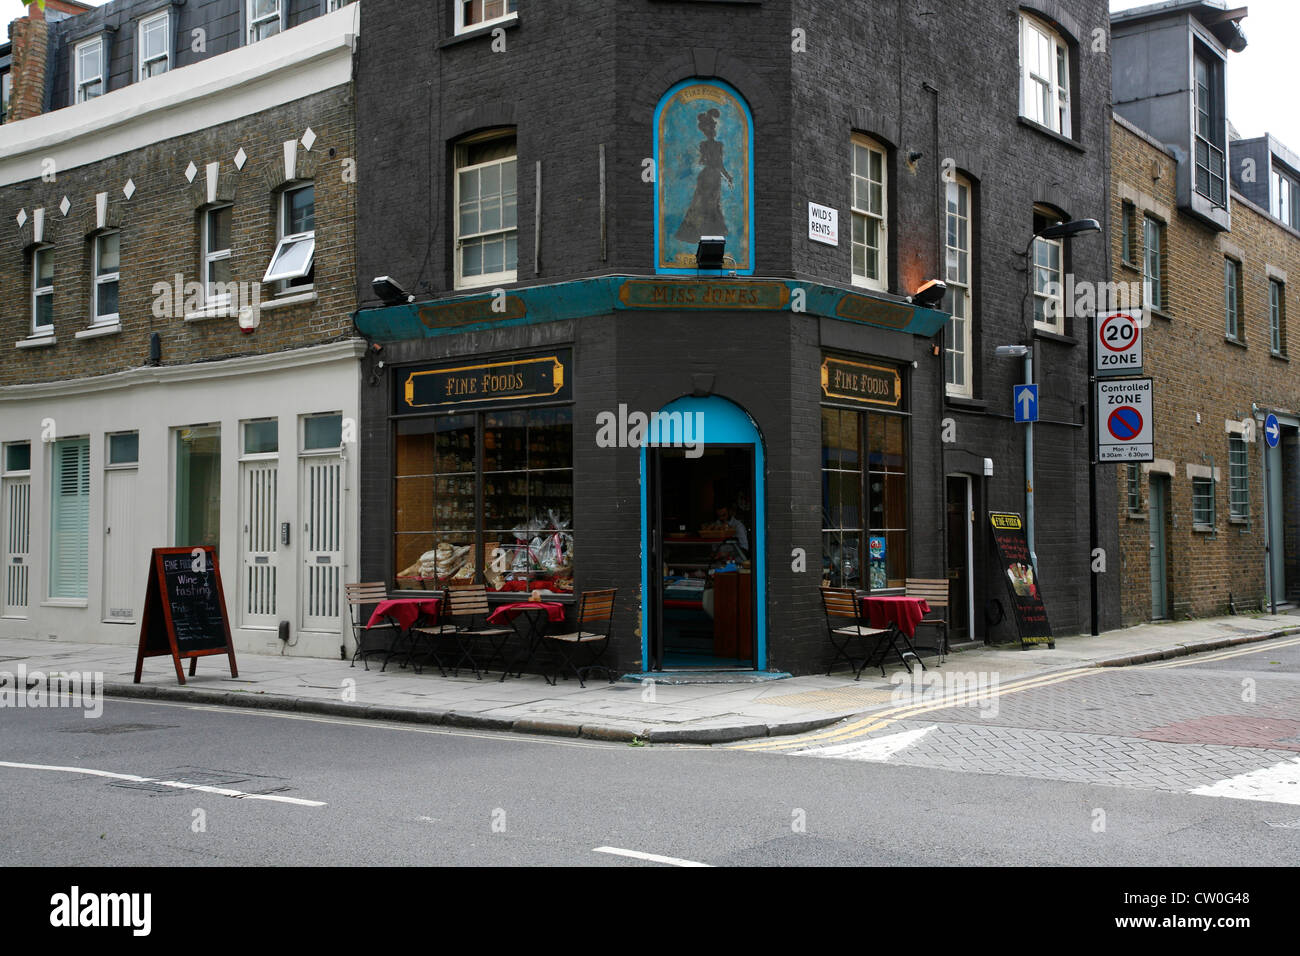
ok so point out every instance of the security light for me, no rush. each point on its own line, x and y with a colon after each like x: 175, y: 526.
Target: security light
x: 710, y: 252
x: 930, y: 294
x: 389, y: 292
x: 1075, y: 227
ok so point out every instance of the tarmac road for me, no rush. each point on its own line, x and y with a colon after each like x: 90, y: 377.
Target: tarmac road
x: 1042, y: 782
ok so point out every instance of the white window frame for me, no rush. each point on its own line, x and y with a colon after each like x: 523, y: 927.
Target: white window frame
x: 211, y: 255
x: 109, y: 464
x: 303, y: 450
x: 80, y: 81
x: 39, y: 290
x: 97, y: 280
x: 1055, y: 82
x: 1232, y: 298
x: 332, y: 5
x: 251, y: 24
x: 245, y: 454
x: 1051, y: 289
x: 1153, y: 287
x: 864, y: 213
x: 1276, y: 316
x: 958, y: 333
x: 1238, y: 479
x: 506, y: 17
x: 143, y: 60
x: 55, y: 582
x: 285, y: 276
x: 484, y: 278
x: 1200, y: 482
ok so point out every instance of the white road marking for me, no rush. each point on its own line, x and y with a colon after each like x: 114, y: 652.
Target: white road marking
x: 651, y: 857
x: 873, y: 748
x: 133, y: 778
x: 1276, y: 784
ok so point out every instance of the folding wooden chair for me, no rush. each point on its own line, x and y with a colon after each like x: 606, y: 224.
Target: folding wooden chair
x: 935, y: 593
x: 841, y: 606
x: 359, y: 597
x: 463, y: 605
x: 595, y: 621
x: 431, y: 632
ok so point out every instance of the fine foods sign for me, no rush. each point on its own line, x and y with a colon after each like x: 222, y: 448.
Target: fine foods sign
x: 479, y: 384
x: 857, y: 382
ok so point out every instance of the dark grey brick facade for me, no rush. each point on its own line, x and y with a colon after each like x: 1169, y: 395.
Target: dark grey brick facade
x: 941, y: 82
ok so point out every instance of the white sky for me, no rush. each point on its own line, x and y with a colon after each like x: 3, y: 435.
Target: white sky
x: 1261, y: 79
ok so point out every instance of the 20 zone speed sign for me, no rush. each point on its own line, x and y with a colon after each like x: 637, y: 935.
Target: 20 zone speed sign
x: 1119, y: 343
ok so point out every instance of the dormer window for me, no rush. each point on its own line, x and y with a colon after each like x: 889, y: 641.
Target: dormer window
x: 1285, y: 198
x: 155, y: 45
x: 89, y: 79
x: 263, y: 19
x: 1210, y: 164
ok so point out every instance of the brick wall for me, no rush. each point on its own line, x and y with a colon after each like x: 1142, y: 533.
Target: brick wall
x: 160, y: 240
x: 1199, y: 372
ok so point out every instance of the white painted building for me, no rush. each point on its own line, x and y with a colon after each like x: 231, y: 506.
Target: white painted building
x: 255, y: 454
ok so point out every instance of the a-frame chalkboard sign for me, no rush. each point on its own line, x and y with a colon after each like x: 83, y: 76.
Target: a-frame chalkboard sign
x: 184, y: 610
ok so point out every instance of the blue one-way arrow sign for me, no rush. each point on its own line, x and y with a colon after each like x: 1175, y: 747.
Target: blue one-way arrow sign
x: 1024, y: 398
x: 1272, y: 430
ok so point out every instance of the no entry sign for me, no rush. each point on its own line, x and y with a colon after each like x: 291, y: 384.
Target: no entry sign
x: 1119, y: 343
x: 1124, y: 430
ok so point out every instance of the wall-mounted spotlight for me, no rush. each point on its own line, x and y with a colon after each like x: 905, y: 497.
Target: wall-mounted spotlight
x: 711, y: 252
x: 914, y: 157
x: 389, y: 292
x: 930, y: 294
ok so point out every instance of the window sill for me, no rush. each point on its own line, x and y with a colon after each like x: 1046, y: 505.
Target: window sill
x: 1239, y: 521
x: 1133, y: 266
x: 36, y: 342
x: 1051, y: 133
x: 1158, y: 313
x: 869, y: 286
x: 1203, y: 529
x: 485, y: 30
x: 1137, y: 516
x: 222, y: 310
x: 1232, y: 340
x: 499, y: 281
x: 1041, y: 333
x: 1280, y: 356
x: 966, y: 401
x: 66, y: 602
x: 288, y: 300
x: 96, y: 331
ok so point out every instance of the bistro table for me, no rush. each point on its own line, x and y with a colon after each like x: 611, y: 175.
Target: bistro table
x: 532, y: 632
x: 404, y: 613
x: 900, y: 615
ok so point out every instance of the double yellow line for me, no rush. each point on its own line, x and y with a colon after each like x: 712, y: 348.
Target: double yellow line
x: 1224, y: 655
x: 884, y: 718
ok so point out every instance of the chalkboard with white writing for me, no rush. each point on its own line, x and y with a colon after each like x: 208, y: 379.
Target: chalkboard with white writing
x: 184, y: 609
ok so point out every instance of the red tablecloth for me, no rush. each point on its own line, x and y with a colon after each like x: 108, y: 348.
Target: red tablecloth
x: 906, y: 612
x: 508, y: 612
x: 403, y: 611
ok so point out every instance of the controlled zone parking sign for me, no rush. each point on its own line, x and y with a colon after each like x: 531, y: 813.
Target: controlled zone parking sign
x: 1125, y: 431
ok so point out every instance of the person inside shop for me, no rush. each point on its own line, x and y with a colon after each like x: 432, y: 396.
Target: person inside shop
x: 735, y: 528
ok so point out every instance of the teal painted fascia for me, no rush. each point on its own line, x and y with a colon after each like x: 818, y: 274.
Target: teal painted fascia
x: 581, y: 298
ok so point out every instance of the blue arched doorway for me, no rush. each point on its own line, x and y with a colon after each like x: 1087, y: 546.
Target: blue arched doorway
x: 703, y: 568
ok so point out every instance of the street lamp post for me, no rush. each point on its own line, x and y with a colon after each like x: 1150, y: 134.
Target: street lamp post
x: 1060, y: 230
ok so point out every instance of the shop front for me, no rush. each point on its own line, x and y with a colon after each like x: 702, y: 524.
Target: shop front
x: 700, y: 446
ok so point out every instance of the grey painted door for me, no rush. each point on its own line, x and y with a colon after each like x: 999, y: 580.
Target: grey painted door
x: 1158, y: 511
